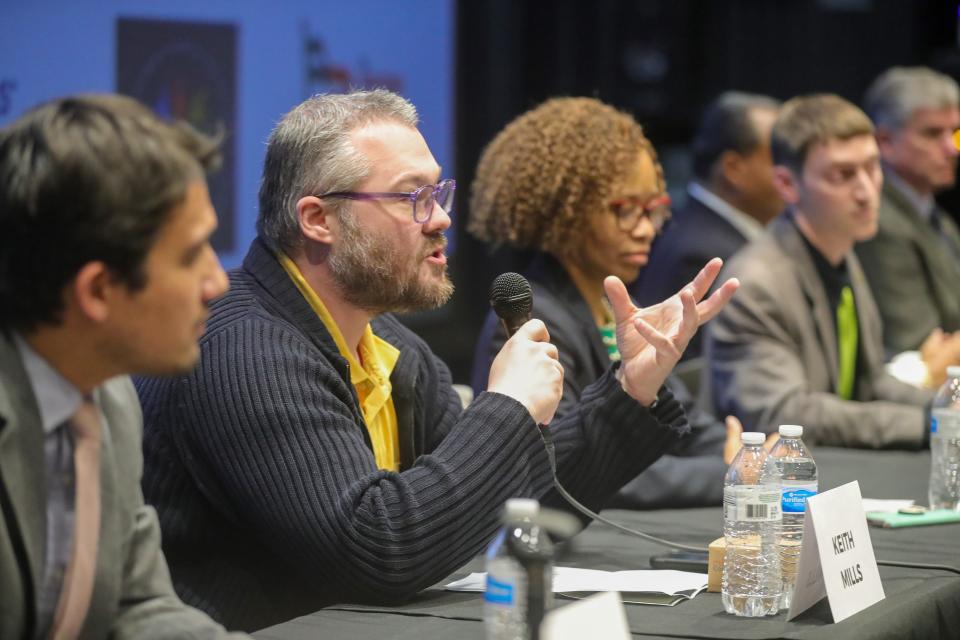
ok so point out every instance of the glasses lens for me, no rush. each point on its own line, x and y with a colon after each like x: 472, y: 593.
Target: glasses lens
x: 444, y: 194
x: 423, y: 204
x: 628, y: 215
x: 659, y: 217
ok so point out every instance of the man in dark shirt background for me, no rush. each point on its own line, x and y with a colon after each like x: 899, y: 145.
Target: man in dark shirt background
x: 729, y: 201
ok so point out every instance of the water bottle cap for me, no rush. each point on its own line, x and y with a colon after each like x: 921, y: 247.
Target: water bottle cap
x: 791, y: 430
x: 753, y: 437
x: 517, y: 508
x: 953, y: 371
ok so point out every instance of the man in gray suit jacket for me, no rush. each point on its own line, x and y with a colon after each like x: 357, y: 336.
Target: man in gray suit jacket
x: 105, y: 269
x: 800, y: 343
x: 913, y: 263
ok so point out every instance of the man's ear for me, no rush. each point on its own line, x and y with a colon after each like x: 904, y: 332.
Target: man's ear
x: 730, y: 165
x: 314, y: 216
x: 885, y: 139
x: 786, y: 183
x: 91, y: 290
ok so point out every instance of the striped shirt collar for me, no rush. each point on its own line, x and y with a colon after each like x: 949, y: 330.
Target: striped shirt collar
x: 56, y: 397
x: 922, y: 204
x: 748, y: 227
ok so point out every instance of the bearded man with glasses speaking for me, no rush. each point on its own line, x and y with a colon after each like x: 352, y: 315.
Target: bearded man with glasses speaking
x: 319, y: 454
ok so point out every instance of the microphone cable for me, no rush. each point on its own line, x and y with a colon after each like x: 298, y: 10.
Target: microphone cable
x: 552, y: 457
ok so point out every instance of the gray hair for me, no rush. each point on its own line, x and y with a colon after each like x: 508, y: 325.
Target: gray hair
x: 727, y: 125
x: 310, y: 152
x: 899, y: 91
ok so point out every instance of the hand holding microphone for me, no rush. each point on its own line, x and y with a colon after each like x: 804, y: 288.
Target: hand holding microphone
x: 527, y: 368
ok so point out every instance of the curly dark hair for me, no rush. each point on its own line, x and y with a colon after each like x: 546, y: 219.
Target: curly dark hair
x: 549, y: 169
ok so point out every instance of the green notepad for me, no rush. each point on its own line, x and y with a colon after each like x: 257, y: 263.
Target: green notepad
x: 894, y: 520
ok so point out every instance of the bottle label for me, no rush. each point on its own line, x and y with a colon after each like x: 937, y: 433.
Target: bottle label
x: 498, y: 592
x: 751, y: 504
x: 795, y: 498
x: 945, y: 422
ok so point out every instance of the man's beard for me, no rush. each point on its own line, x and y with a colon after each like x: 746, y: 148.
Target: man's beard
x: 372, y: 273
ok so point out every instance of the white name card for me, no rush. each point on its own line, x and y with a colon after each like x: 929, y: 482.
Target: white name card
x: 599, y: 616
x: 836, y: 557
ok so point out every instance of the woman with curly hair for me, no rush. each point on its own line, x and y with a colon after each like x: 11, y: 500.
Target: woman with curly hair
x: 578, y: 182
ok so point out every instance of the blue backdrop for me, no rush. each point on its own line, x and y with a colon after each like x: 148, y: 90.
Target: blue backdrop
x: 284, y: 51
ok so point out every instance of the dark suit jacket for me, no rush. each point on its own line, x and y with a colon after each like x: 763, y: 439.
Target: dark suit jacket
x: 914, y: 277
x: 132, y: 596
x: 692, y: 472
x: 695, y: 235
x: 772, y: 353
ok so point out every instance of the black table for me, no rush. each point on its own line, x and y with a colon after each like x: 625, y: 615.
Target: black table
x: 919, y: 603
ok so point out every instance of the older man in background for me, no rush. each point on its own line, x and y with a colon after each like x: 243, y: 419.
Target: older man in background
x: 913, y: 263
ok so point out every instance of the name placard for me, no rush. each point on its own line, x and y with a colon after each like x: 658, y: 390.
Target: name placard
x: 836, y: 557
x: 599, y: 616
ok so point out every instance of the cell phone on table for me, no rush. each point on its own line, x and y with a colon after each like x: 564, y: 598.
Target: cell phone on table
x: 693, y: 561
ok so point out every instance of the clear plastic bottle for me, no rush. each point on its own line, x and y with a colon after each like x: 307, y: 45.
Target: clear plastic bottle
x: 505, y: 599
x: 945, y: 444
x: 798, y: 476
x: 751, y: 525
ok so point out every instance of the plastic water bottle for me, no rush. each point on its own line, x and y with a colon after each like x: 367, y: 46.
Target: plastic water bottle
x: 751, y: 583
x: 505, y: 612
x: 945, y: 444
x: 798, y: 475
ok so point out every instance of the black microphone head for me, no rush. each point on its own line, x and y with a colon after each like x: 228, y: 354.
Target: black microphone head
x: 511, y: 296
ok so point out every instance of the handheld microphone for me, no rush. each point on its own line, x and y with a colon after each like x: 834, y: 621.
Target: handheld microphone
x: 512, y: 300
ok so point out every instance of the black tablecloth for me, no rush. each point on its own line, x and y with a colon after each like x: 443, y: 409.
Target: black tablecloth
x: 919, y: 603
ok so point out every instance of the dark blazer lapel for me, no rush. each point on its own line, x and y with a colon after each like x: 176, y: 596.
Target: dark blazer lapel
x: 950, y: 228
x: 944, y: 270
x: 928, y: 242
x: 788, y: 236
x: 549, y: 272
x: 938, y: 260
x: 22, y: 460
x: 868, y: 324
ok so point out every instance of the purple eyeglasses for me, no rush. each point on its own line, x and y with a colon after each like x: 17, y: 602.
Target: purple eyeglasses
x: 422, y: 199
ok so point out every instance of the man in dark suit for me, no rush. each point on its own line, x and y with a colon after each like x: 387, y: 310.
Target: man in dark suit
x: 105, y: 269
x: 729, y: 201
x: 913, y: 263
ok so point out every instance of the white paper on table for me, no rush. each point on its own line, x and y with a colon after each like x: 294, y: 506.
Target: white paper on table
x: 570, y: 579
x: 870, y: 504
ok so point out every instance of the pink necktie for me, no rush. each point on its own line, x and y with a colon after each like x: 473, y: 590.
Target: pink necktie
x: 78, y: 580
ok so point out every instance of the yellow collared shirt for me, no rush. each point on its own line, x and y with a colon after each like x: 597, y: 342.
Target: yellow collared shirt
x: 370, y: 376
